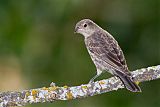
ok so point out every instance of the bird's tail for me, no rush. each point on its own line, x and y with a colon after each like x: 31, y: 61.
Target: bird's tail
x: 128, y: 82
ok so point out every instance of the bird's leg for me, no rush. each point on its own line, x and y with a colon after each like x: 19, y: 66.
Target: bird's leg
x: 99, y: 72
x: 92, y: 80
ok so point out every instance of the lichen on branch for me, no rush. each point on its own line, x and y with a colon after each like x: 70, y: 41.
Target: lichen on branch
x: 52, y: 93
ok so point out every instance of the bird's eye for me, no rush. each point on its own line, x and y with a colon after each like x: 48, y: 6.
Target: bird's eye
x: 85, y: 25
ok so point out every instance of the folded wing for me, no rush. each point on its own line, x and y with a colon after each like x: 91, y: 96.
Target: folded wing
x: 105, y: 47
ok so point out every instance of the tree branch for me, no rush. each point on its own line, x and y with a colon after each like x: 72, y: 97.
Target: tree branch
x: 53, y: 93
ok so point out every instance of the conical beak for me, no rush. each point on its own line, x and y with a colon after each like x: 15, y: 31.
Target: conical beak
x: 76, y: 29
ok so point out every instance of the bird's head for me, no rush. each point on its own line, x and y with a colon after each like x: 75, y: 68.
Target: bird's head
x: 86, y: 27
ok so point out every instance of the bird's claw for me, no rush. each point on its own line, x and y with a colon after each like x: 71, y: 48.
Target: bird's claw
x: 91, y: 82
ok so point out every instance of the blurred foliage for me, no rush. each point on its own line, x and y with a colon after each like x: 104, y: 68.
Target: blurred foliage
x: 38, y: 46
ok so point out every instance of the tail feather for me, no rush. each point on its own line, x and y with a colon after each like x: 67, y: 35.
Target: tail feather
x: 128, y: 82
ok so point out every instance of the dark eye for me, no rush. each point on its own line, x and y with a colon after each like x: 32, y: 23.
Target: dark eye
x: 85, y: 25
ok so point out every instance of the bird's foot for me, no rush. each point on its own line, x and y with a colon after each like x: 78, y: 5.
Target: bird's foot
x: 91, y: 81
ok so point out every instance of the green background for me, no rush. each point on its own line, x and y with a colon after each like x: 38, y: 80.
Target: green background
x: 38, y: 46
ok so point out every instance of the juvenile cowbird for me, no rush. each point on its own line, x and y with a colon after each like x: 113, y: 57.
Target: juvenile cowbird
x: 105, y: 53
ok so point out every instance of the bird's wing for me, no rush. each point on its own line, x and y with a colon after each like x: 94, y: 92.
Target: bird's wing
x: 105, y: 47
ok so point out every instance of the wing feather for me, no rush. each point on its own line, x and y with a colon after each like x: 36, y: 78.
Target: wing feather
x: 107, y: 49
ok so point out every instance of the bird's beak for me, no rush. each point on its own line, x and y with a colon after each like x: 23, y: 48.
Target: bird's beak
x: 76, y: 29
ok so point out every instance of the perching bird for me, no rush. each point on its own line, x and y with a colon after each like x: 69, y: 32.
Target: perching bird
x: 105, y: 53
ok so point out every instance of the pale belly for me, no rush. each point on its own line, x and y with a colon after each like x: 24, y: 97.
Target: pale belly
x: 100, y: 64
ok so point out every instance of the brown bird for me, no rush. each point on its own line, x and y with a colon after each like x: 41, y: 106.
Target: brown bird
x: 105, y: 53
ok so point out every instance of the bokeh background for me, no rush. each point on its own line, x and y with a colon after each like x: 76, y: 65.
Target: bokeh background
x: 38, y: 46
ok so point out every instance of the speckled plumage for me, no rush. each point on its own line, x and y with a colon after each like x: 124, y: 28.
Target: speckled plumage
x: 105, y: 53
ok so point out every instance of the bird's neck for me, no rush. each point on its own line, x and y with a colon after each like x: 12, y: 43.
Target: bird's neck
x: 86, y: 35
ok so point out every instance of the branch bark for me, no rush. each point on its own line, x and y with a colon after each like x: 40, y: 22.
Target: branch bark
x: 53, y: 93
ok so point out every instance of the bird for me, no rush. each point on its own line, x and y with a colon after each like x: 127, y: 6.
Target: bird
x: 105, y: 53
